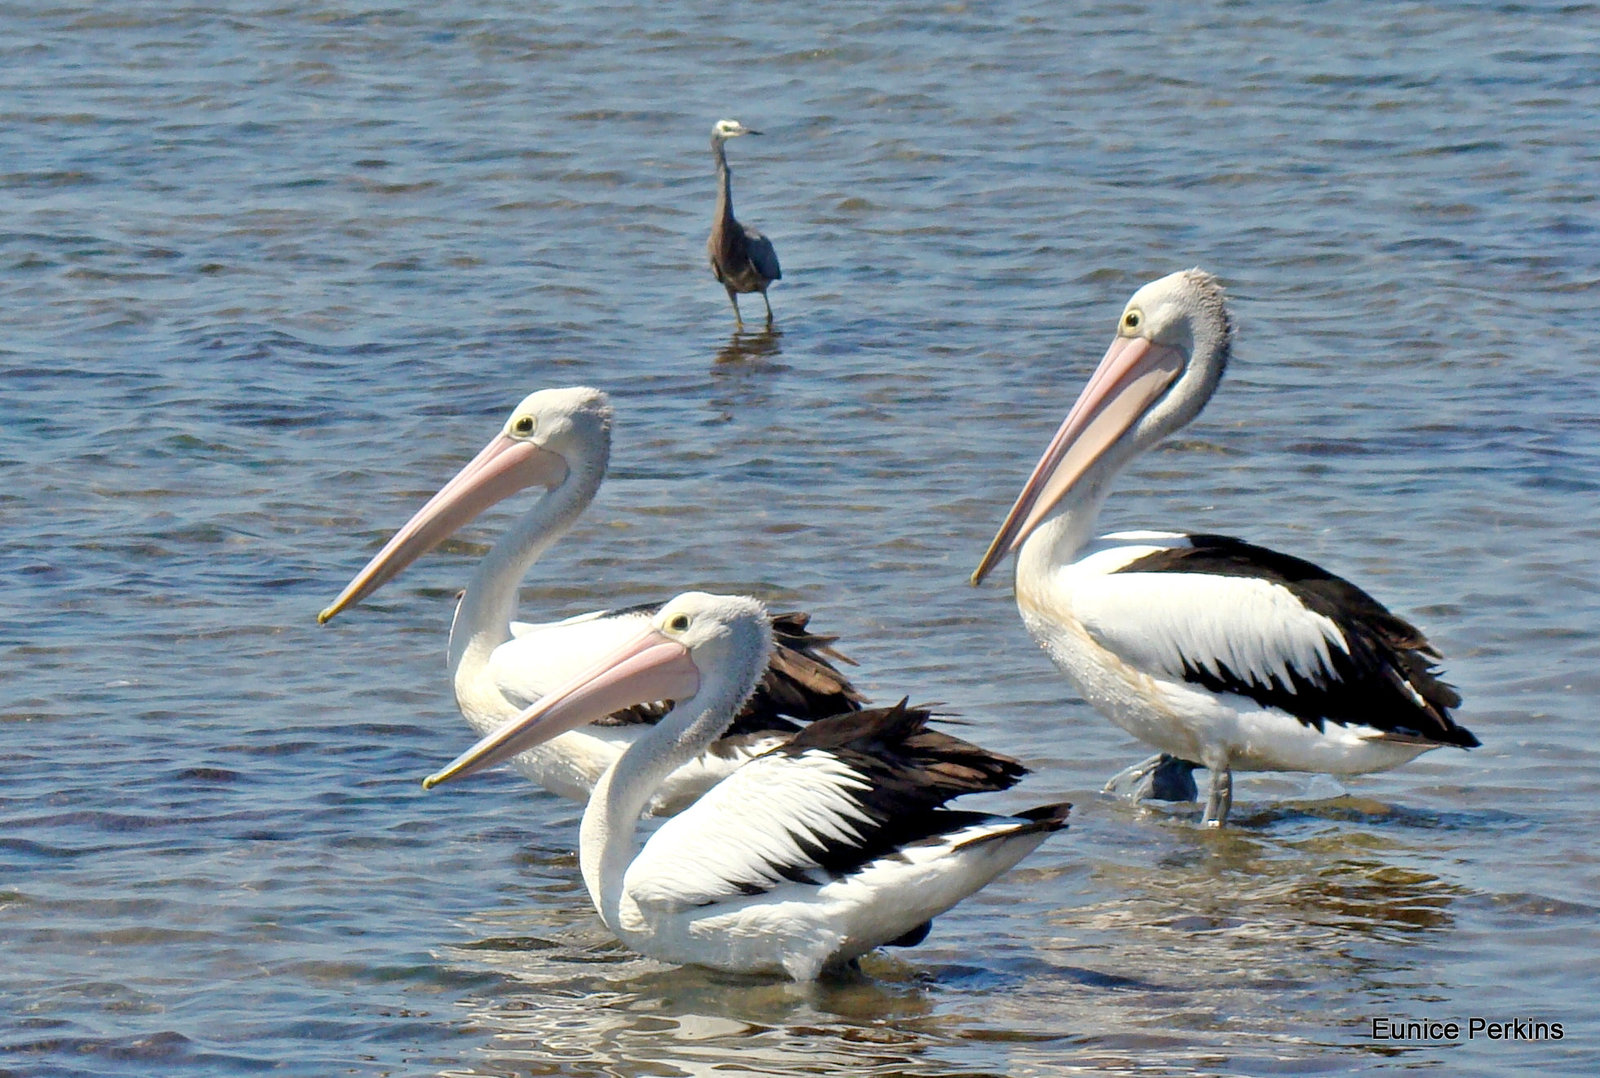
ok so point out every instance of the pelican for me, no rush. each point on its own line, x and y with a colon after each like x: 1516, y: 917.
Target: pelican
x: 741, y: 257
x: 560, y: 440
x: 802, y: 860
x: 1208, y: 648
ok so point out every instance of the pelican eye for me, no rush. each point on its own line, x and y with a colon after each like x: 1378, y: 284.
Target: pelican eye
x: 679, y: 623
x: 523, y: 424
x: 1132, y: 321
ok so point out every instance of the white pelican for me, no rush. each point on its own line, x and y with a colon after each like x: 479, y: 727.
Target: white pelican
x: 1208, y: 648
x: 560, y: 440
x: 801, y: 860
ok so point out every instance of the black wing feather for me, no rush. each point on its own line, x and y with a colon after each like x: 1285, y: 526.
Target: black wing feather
x: 1386, y: 680
x: 910, y: 772
x: 759, y: 250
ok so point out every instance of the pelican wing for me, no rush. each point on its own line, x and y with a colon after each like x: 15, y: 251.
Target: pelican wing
x: 542, y: 656
x: 802, y: 681
x: 1233, y: 617
x: 842, y: 793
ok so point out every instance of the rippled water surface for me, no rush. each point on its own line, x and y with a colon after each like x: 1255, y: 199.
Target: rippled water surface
x: 269, y: 272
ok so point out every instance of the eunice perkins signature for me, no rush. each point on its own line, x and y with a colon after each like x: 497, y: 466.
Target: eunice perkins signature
x: 1450, y: 1029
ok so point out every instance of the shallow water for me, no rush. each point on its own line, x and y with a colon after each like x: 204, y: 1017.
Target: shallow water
x: 271, y: 271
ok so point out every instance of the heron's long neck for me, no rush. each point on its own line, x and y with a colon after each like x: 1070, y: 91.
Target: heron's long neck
x: 483, y: 619
x: 607, y: 836
x: 724, y: 211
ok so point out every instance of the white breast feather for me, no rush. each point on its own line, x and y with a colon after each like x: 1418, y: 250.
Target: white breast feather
x: 747, y: 824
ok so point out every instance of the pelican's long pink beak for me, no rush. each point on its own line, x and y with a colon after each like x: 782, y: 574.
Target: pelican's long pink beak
x: 648, y: 668
x: 500, y: 469
x: 1133, y: 375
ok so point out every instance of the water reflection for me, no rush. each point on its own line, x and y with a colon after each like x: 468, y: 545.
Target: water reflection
x: 743, y: 346
x: 742, y: 373
x: 1276, y: 803
x: 1322, y: 905
x: 582, y: 1008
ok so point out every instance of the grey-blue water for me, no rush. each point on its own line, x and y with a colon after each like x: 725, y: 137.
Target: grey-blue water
x: 270, y: 271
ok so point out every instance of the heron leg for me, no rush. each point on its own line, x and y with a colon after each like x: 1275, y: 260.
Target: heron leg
x: 733, y: 298
x: 769, y: 306
x: 1220, y: 798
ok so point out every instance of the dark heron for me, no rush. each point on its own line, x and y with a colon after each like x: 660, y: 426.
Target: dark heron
x: 741, y: 257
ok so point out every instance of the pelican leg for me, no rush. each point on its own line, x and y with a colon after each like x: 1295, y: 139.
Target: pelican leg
x: 1219, y: 799
x: 1160, y: 778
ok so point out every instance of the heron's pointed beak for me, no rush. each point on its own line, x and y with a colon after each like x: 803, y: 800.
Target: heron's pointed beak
x: 648, y: 668
x: 1133, y: 375
x: 502, y: 468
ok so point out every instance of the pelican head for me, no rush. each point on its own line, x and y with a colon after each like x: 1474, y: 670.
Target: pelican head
x: 726, y: 129
x: 551, y: 435
x: 694, y: 639
x: 1171, y: 347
